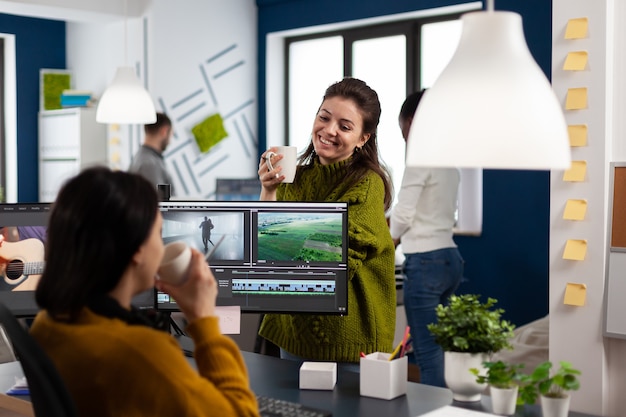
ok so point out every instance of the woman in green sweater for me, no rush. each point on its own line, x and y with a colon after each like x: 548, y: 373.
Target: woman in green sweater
x: 341, y: 164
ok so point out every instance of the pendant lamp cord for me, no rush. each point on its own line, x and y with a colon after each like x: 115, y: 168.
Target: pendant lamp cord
x: 490, y: 6
x: 125, y: 32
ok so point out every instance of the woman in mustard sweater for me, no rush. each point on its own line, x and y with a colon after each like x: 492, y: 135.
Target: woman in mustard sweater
x: 341, y: 164
x: 104, y: 247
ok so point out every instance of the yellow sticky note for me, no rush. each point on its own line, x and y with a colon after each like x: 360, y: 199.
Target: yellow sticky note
x: 575, y: 294
x: 577, y: 172
x: 576, y: 28
x: 575, y: 249
x: 575, y: 210
x: 576, y: 98
x: 575, y: 61
x: 115, y: 157
x: 577, y: 135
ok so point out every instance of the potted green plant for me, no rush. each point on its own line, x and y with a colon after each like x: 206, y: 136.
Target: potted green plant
x: 552, y: 387
x: 503, y: 378
x: 468, y: 331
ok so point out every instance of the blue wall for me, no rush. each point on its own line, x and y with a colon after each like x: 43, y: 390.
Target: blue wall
x: 39, y: 43
x: 509, y: 261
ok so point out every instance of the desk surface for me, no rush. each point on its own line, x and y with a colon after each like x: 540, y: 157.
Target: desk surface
x: 278, y: 378
x: 274, y: 377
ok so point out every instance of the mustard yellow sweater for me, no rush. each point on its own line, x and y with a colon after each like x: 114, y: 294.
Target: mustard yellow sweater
x: 112, y: 368
x: 369, y: 325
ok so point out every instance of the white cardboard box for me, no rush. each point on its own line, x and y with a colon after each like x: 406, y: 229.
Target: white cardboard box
x: 318, y: 375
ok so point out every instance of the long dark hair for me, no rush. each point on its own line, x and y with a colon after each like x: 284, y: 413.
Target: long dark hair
x: 98, y: 222
x: 367, y: 158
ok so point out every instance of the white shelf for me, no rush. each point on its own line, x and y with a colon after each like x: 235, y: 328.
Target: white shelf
x: 69, y: 140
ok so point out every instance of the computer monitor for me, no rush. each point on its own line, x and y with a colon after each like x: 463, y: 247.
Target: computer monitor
x: 267, y: 256
x: 237, y: 189
x: 22, y: 254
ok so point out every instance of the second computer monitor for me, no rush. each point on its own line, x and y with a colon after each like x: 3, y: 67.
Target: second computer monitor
x: 285, y: 257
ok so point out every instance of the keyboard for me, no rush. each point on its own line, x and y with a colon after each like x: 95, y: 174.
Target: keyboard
x: 272, y: 407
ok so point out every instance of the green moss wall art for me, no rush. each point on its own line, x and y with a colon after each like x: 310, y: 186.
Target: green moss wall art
x: 53, y: 82
x: 209, y: 132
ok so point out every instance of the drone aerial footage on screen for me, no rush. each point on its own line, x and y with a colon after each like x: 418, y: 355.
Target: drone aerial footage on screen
x: 266, y: 256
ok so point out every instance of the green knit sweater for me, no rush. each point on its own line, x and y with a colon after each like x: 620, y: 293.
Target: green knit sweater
x: 369, y: 325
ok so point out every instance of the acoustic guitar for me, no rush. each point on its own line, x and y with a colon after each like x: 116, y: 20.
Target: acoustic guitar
x: 21, y: 260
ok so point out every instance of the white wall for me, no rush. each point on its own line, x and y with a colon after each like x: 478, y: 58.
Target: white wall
x: 199, y: 61
x: 576, y: 333
x: 203, y: 61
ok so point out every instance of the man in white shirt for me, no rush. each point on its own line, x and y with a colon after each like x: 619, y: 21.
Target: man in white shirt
x: 422, y: 220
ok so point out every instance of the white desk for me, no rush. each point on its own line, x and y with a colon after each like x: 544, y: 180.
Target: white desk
x: 12, y: 406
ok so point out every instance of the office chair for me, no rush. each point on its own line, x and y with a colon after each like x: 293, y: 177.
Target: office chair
x: 47, y: 391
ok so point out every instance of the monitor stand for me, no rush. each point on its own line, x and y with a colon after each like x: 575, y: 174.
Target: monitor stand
x: 186, y: 344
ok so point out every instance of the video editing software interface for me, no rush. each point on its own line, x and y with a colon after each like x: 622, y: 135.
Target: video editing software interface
x: 23, y: 227
x: 22, y: 254
x: 282, y: 257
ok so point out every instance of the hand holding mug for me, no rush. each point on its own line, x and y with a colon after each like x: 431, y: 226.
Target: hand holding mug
x: 175, y: 263
x: 196, y: 294
x: 285, y: 166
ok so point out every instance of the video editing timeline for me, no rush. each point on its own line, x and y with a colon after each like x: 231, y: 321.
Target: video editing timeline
x: 283, y: 285
x: 266, y: 256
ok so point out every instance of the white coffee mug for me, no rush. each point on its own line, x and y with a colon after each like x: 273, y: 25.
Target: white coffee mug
x: 288, y: 163
x: 175, y: 263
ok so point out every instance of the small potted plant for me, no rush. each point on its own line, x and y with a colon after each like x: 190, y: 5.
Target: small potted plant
x: 551, y: 387
x: 503, y: 378
x: 468, y: 331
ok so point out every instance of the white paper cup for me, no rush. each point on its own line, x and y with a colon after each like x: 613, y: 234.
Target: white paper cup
x: 175, y: 263
x: 288, y: 163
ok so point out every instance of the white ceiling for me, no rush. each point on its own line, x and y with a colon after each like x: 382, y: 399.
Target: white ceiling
x: 76, y: 10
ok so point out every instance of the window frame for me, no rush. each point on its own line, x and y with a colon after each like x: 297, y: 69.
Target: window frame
x: 410, y: 28
x: 277, y: 79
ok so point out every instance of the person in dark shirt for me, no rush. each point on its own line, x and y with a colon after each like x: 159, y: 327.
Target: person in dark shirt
x: 148, y: 161
x: 206, y: 226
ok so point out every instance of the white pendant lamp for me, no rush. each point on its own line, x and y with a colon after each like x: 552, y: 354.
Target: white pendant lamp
x: 492, y: 106
x: 126, y: 101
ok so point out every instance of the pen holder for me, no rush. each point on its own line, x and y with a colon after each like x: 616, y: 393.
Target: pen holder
x: 382, y: 378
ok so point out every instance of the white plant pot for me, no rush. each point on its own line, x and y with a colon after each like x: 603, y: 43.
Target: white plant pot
x: 554, y: 407
x: 459, y: 379
x: 504, y: 400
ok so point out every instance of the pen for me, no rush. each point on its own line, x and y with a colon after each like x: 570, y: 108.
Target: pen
x: 404, y: 340
x: 395, y: 351
x: 408, y: 343
x: 363, y: 355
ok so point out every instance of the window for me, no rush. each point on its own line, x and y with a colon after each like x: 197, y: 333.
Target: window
x: 395, y: 58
